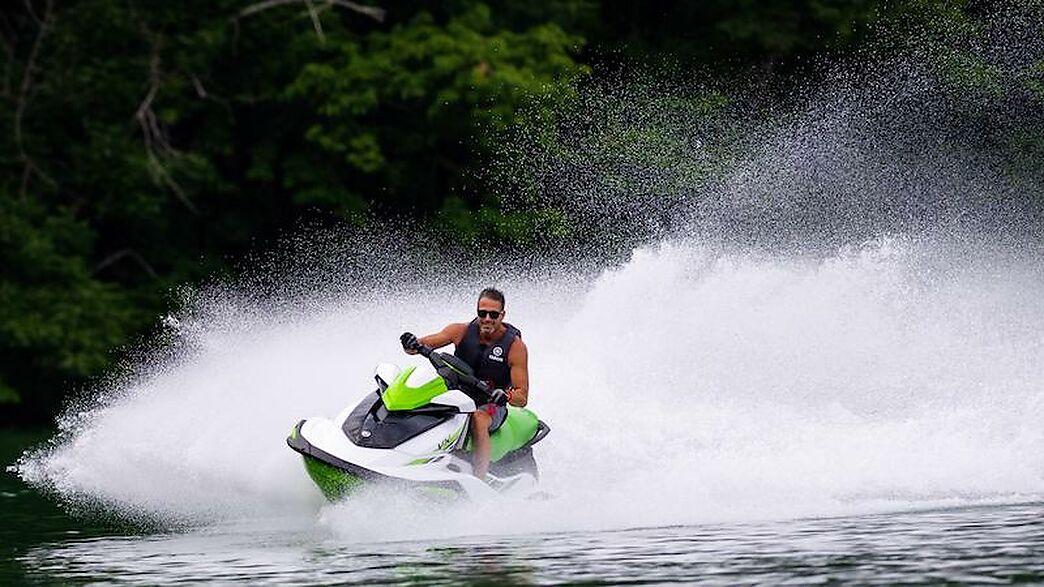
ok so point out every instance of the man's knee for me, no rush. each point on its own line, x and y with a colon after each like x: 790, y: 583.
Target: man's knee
x: 481, y: 420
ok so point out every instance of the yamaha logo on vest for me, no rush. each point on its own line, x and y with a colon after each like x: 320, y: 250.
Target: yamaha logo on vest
x: 495, y: 355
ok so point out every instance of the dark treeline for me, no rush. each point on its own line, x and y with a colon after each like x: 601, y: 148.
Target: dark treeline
x: 149, y: 144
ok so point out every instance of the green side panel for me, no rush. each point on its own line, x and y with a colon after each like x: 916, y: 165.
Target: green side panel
x: 333, y: 482
x: 400, y: 396
x: 519, y: 427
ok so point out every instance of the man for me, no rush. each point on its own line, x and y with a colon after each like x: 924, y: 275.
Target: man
x: 494, y: 349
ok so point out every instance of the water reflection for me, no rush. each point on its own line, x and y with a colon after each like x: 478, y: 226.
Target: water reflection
x: 982, y: 544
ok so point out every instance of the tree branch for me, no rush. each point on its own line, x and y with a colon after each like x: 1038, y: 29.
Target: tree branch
x: 203, y: 94
x: 318, y: 24
x: 157, y: 147
x: 25, y: 89
x: 126, y: 253
x: 196, y: 83
x: 32, y: 13
x: 9, y: 53
x: 371, y: 11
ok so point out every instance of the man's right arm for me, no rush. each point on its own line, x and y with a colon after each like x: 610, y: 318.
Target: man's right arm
x: 453, y: 333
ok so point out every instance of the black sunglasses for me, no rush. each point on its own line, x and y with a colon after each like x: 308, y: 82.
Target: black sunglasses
x: 491, y: 313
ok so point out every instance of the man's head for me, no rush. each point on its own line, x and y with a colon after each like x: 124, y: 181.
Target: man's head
x: 490, y: 310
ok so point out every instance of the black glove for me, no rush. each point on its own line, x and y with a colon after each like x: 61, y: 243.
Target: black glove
x: 409, y: 341
x: 498, y: 397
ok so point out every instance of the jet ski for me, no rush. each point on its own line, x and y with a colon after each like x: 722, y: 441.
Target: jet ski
x: 414, y: 431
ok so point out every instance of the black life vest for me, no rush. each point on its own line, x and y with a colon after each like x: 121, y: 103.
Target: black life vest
x: 489, y: 361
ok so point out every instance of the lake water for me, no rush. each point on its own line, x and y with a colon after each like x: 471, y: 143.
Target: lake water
x: 988, y: 544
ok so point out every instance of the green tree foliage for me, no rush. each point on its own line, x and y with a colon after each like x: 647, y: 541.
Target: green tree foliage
x: 147, y: 143
x: 55, y: 316
x: 402, y: 112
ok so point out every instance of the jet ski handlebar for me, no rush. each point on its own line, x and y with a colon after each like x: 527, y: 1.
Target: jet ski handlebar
x: 411, y: 344
x: 440, y: 364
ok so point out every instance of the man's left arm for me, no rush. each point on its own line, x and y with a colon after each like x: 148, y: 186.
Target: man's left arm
x: 518, y: 361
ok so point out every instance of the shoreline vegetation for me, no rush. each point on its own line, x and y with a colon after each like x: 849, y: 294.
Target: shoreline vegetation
x: 146, y: 146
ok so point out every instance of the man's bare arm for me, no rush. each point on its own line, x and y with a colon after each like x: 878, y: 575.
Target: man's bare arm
x: 453, y: 333
x: 518, y: 360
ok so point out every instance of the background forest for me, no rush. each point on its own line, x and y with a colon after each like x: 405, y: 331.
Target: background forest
x: 144, y: 145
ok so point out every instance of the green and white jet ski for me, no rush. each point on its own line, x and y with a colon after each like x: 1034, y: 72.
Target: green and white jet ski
x: 414, y: 431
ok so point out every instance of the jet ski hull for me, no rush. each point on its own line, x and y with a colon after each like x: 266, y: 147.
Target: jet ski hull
x: 338, y: 479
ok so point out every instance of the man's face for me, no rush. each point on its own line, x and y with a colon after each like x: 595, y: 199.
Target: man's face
x: 487, y: 323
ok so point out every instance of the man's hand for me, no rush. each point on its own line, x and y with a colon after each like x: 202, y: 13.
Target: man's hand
x: 498, y: 397
x: 410, y: 344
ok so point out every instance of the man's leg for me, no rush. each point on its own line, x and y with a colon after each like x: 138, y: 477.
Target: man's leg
x: 480, y: 438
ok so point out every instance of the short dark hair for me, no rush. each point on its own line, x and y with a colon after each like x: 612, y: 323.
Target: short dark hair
x: 494, y: 294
